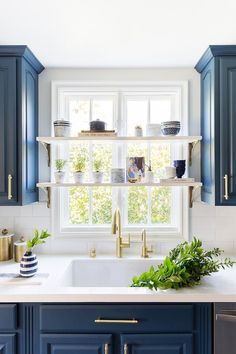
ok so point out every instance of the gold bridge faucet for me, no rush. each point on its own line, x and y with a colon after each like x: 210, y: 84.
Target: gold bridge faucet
x: 116, y: 230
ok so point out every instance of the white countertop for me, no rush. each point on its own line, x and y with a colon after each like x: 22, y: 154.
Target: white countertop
x: 220, y: 287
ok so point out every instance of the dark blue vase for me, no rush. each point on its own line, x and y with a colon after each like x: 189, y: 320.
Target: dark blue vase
x: 180, y: 167
x: 28, y: 265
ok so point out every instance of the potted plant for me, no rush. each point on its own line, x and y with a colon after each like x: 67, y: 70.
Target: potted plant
x: 97, y: 173
x: 79, y: 165
x: 29, y: 262
x: 149, y: 175
x: 59, y: 173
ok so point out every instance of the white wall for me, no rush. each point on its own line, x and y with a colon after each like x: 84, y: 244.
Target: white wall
x: 214, y: 225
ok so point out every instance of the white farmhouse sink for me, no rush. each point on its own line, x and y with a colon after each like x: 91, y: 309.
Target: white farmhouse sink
x: 112, y: 272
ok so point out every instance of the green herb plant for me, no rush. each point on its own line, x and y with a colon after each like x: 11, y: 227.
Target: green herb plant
x: 37, y: 239
x: 60, y: 164
x: 184, y: 267
x: 79, y: 163
x: 97, y: 165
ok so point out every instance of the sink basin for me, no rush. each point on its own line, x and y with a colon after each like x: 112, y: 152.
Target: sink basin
x: 107, y: 272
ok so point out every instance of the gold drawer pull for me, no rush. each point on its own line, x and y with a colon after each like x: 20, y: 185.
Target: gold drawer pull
x: 126, y: 349
x: 106, y: 349
x: 9, y: 187
x: 101, y: 320
x: 226, y: 196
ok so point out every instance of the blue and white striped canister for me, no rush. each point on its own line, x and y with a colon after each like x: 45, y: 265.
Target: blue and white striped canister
x: 28, y: 265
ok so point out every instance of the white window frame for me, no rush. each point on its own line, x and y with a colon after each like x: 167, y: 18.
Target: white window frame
x: 58, y: 88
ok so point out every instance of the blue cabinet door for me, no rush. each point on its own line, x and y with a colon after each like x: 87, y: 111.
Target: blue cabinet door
x: 8, y: 132
x: 208, y: 133
x: 7, y: 343
x: 27, y: 133
x: 156, y: 344
x: 227, y: 126
x: 76, y: 344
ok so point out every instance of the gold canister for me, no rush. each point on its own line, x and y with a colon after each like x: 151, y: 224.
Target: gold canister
x: 19, y: 249
x: 6, y: 247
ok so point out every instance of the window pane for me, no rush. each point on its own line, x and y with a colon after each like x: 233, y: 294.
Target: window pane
x: 137, y: 205
x: 137, y: 112
x: 160, y: 110
x: 161, y: 205
x: 103, y: 110
x: 160, y: 157
x: 78, y: 115
x: 78, y: 205
x: 102, y: 205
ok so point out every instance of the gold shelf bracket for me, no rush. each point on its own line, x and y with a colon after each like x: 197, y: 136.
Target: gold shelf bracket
x: 192, y: 190
x: 191, y: 147
x: 47, y: 190
x: 47, y: 147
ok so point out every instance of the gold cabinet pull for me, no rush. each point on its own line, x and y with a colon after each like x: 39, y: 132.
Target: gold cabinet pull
x: 106, y: 349
x: 101, y: 320
x: 126, y: 349
x: 9, y: 192
x: 226, y: 195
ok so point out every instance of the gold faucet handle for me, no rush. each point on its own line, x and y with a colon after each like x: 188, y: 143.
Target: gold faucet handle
x: 126, y: 243
x: 150, y: 250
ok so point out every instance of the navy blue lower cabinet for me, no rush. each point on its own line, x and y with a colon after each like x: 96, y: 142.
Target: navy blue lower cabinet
x: 76, y: 344
x: 157, y: 343
x: 8, y: 344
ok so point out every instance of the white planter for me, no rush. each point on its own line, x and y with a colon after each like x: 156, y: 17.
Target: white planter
x: 149, y: 177
x: 59, y: 176
x: 97, y: 177
x: 79, y: 177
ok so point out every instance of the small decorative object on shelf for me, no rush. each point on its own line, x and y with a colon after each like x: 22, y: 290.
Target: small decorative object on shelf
x: 135, y: 169
x: 60, y: 174
x: 62, y: 128
x: 97, y: 126
x: 138, y: 131
x: 79, y: 165
x: 170, y: 127
x: 117, y: 175
x: 97, y: 173
x: 153, y: 129
x: 29, y: 262
x: 149, y: 175
x: 180, y: 167
x: 170, y: 172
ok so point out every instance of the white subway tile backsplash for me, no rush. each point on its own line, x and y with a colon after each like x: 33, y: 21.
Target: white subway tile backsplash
x: 36, y: 222
x: 41, y: 209
x: 203, y: 209
x: 204, y: 227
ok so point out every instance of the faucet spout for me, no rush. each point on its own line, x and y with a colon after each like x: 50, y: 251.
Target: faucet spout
x: 116, y: 230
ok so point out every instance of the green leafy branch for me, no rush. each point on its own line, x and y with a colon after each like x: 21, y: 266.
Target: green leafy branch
x: 37, y: 239
x: 184, y: 267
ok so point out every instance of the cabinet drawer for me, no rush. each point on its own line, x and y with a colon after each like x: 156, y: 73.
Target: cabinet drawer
x: 153, y: 318
x: 8, y: 317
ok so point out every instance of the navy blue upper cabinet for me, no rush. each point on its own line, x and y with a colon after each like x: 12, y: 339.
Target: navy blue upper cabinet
x: 19, y: 71
x: 218, y: 124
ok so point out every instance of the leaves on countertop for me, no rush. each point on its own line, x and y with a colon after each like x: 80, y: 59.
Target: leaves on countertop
x: 185, y: 265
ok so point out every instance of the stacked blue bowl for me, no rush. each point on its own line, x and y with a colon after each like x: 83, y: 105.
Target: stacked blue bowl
x: 171, y: 127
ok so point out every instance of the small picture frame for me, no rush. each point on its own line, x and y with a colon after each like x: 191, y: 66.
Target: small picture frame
x: 135, y: 169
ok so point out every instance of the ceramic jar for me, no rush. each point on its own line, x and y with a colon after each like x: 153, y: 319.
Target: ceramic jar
x: 28, y: 265
x: 62, y: 128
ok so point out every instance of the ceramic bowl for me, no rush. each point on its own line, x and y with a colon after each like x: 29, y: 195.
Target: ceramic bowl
x: 170, y: 131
